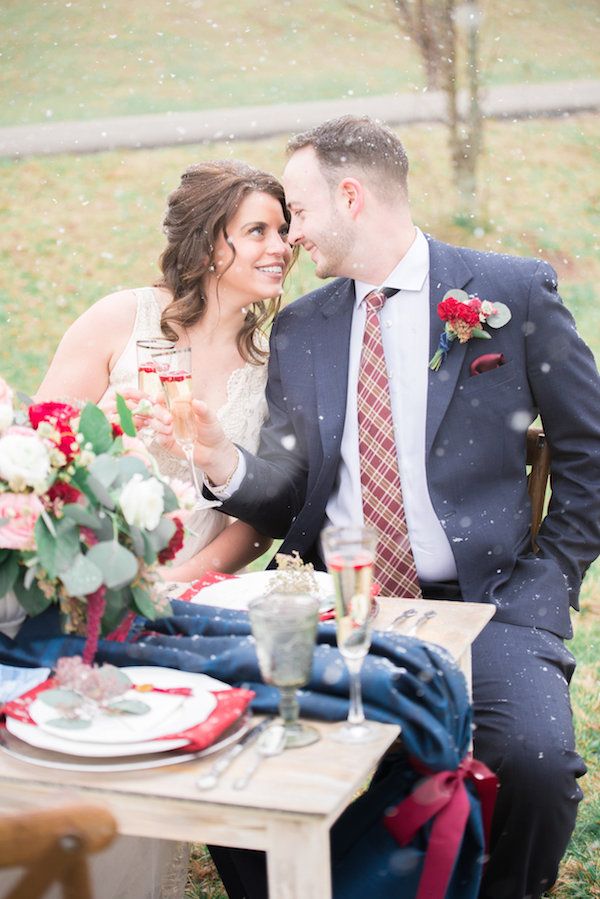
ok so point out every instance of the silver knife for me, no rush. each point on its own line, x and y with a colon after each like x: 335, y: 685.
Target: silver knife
x: 209, y: 780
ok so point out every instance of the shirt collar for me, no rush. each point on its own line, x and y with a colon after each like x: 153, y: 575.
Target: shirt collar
x: 409, y: 274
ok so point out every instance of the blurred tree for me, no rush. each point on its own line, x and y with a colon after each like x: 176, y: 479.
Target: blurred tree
x: 446, y: 33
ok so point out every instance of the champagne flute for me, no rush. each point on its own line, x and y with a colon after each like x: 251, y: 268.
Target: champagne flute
x: 284, y: 626
x: 174, y: 368
x: 148, y: 377
x: 350, y: 554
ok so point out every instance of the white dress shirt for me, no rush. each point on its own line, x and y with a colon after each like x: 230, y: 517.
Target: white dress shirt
x: 405, y: 333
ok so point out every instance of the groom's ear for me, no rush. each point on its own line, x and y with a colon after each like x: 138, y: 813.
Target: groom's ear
x: 352, y: 195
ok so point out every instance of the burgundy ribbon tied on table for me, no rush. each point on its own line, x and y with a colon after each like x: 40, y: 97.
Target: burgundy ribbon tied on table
x: 487, y: 362
x: 443, y: 797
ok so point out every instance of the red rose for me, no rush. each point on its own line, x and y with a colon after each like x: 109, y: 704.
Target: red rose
x: 175, y: 543
x: 59, y: 416
x: 51, y: 412
x: 451, y: 310
x: 63, y: 492
x: 117, y: 430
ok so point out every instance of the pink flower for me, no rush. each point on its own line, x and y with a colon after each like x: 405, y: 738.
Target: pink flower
x: 21, y: 510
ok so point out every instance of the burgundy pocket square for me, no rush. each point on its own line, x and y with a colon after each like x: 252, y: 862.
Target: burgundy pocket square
x: 487, y: 362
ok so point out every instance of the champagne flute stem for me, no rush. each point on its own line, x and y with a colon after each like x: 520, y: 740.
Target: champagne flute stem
x: 188, y: 449
x: 288, y: 706
x: 356, y: 713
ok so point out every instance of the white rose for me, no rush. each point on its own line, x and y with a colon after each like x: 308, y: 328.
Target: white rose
x: 142, y: 502
x: 24, y: 460
x: 6, y: 416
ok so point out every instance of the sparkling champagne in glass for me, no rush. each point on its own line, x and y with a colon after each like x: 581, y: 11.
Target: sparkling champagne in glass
x: 175, y: 372
x: 148, y: 377
x: 350, y: 555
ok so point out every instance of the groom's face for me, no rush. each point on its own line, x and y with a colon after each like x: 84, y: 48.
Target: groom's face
x: 318, y: 224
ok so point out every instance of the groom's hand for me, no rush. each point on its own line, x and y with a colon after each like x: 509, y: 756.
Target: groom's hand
x: 214, y: 453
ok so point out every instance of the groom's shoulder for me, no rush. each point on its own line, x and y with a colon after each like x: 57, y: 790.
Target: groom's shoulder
x: 487, y: 261
x: 313, y: 302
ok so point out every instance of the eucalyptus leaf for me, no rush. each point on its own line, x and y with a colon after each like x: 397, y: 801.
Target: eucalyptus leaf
x: 99, y: 492
x: 56, y: 551
x: 125, y: 416
x: 96, y: 428
x: 117, y: 604
x: 60, y: 697
x: 159, y: 538
x: 130, y: 465
x: 128, y: 707
x: 82, y: 516
x: 70, y: 723
x: 479, y: 332
x: 460, y: 295
x: 171, y: 503
x: 118, y: 566
x: 105, y: 468
x: 137, y: 538
x: 31, y: 598
x: 158, y: 607
x: 82, y: 577
x: 501, y: 317
x: 9, y: 572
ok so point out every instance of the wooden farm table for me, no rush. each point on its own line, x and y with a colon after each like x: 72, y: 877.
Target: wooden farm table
x: 455, y: 625
x: 287, y: 809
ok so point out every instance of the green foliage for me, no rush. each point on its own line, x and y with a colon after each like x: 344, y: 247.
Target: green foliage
x: 131, y: 58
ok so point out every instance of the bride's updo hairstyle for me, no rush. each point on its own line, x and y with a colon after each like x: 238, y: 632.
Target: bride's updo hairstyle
x: 197, y: 213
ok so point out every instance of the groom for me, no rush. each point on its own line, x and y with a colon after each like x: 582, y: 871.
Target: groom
x: 349, y: 373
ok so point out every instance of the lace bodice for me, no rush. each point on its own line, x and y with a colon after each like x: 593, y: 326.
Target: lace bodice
x: 241, y: 416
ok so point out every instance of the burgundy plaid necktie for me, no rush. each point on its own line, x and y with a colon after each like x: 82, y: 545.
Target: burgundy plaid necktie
x: 383, y: 507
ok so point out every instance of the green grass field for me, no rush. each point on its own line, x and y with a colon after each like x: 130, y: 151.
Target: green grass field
x: 84, y: 59
x: 75, y: 228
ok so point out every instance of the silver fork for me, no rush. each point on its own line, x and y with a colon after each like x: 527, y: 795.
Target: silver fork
x: 408, y: 613
x: 421, y: 620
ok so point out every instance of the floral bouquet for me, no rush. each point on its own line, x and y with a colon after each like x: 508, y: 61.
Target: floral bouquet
x: 85, y: 517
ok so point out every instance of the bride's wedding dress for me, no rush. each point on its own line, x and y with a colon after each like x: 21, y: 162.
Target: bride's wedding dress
x: 241, y: 416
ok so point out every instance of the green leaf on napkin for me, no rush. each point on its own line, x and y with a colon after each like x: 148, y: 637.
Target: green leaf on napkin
x: 128, y: 707
x: 70, y: 723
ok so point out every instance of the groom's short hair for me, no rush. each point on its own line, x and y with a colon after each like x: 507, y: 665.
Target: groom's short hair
x: 357, y: 143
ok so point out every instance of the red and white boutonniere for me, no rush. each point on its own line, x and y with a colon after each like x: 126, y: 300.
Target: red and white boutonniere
x: 464, y: 317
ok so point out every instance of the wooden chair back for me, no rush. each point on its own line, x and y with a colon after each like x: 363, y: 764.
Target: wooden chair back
x: 52, y: 846
x: 538, y: 457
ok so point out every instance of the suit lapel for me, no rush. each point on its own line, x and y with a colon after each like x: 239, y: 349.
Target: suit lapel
x: 447, y: 270
x: 330, y: 348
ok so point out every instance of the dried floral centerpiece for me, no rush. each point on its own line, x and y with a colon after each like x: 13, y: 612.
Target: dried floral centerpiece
x: 293, y: 576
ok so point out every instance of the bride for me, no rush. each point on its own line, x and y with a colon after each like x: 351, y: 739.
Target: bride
x: 222, y: 276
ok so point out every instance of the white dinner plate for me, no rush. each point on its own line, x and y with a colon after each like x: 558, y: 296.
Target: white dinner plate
x: 189, y: 713
x: 236, y: 593
x: 16, y: 748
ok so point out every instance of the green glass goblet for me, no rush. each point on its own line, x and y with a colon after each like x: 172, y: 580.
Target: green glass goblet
x: 284, y: 626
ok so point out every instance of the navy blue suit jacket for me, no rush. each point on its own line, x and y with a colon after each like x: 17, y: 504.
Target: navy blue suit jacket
x: 476, y: 435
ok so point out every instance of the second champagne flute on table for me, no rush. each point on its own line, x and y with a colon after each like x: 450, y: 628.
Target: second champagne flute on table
x: 350, y: 554
x: 175, y: 372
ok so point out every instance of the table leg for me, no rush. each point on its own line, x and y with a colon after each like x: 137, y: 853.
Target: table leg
x: 298, y: 860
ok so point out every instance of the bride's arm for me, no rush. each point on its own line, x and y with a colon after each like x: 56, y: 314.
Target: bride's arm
x: 232, y: 549
x: 86, y: 354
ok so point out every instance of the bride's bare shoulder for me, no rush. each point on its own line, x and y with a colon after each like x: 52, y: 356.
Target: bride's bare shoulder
x: 113, y: 312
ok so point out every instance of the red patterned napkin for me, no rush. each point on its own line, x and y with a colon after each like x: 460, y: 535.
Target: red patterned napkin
x: 208, y: 578
x: 231, y: 705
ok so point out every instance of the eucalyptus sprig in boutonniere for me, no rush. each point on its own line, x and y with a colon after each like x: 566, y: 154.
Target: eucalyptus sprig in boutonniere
x: 464, y: 317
